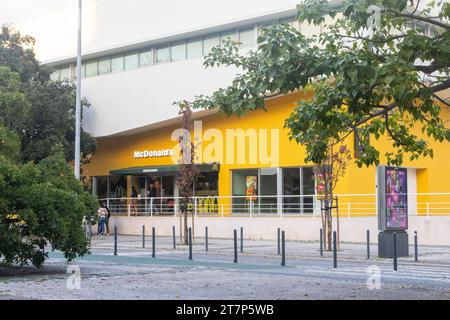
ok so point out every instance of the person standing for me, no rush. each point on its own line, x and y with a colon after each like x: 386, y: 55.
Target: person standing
x: 151, y: 193
x: 108, y: 215
x: 134, y: 196
x: 102, y: 213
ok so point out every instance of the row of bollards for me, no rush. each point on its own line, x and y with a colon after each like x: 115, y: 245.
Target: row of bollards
x: 281, y: 244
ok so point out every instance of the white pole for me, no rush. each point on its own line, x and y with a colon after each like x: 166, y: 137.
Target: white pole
x: 78, y: 97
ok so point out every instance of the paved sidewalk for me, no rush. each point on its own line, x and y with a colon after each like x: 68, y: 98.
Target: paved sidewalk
x: 134, y: 274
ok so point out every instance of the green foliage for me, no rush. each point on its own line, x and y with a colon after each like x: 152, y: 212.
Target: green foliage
x: 42, y: 204
x: 14, y: 105
x: 16, y: 51
x: 382, y: 79
x: 39, y: 110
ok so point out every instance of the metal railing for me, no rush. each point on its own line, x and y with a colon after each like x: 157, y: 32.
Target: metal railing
x: 350, y: 205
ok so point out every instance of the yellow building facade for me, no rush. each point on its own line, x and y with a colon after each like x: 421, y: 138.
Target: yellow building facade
x: 244, y: 157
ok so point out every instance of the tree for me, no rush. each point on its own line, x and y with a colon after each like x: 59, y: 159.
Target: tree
x: 328, y: 172
x: 379, y: 81
x: 187, y: 167
x: 40, y: 204
x: 16, y: 51
x: 39, y: 110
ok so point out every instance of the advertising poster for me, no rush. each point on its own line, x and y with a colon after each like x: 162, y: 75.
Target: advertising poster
x: 251, y: 187
x: 396, y: 199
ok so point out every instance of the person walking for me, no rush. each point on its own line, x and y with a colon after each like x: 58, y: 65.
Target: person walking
x: 151, y: 193
x: 102, y: 213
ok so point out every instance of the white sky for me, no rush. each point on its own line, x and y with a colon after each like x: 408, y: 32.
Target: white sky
x: 14, y: 11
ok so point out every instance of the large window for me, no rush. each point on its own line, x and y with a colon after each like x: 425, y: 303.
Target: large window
x: 162, y: 55
x: 206, y: 184
x: 104, y: 66
x: 298, y: 190
x: 194, y: 48
x: 131, y: 61
x: 91, y: 69
x: 146, y: 58
x: 117, y: 64
x: 209, y: 42
x: 247, y: 37
x: 65, y: 74
x: 245, y: 190
x: 178, y: 51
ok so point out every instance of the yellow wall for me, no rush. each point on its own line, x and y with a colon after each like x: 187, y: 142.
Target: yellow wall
x: 117, y: 152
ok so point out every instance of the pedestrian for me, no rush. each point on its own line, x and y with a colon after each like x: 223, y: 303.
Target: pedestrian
x: 134, y: 196
x: 102, y: 213
x: 151, y: 193
x: 108, y: 215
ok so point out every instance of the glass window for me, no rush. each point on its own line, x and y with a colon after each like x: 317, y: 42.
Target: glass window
x: 209, y: 42
x: 102, y: 187
x: 91, y: 68
x: 178, y: 51
x: 162, y: 55
x: 65, y: 74
x: 206, y: 184
x: 83, y: 70
x: 146, y: 58
x: 247, y: 37
x: 131, y: 61
x: 229, y: 35
x: 291, y: 190
x: 194, y: 48
x: 268, y: 203
x: 308, y: 189
x: 245, y: 186
x: 55, y: 75
x: 104, y: 66
x: 117, y: 64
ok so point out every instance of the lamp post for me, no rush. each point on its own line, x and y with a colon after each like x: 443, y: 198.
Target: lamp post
x: 78, y: 99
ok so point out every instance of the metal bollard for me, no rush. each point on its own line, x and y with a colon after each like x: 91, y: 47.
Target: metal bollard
x: 143, y: 236
x: 242, y: 239
x: 173, y: 236
x: 321, y: 242
x: 190, y: 242
x: 395, y: 251
x: 416, y: 251
x: 278, y: 241
x: 153, y: 242
x: 334, y: 250
x: 235, y: 260
x: 206, y: 238
x: 115, y: 240
x: 368, y: 244
x: 283, y: 250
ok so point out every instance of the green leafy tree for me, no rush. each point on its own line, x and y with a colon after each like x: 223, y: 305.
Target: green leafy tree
x: 40, y: 204
x: 379, y: 79
x: 14, y: 105
x: 39, y: 110
x: 16, y: 51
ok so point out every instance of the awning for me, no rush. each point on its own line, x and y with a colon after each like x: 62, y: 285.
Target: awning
x: 213, y: 167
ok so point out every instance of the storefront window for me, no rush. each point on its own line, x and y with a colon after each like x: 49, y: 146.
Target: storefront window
x: 291, y: 190
x: 117, y: 187
x: 102, y: 187
x: 245, y: 189
x: 268, y: 192
x: 298, y: 190
x: 206, y: 184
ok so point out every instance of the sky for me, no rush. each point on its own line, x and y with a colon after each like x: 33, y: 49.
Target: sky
x: 15, y: 11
